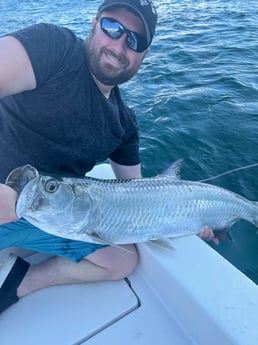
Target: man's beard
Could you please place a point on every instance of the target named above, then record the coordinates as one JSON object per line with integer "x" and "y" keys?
{"x": 103, "y": 71}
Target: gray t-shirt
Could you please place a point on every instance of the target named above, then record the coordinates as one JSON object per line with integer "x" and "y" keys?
{"x": 65, "y": 125}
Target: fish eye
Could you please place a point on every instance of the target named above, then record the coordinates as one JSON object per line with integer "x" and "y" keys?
{"x": 51, "y": 185}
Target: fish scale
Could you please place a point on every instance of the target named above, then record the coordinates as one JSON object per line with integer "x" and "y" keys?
{"x": 130, "y": 211}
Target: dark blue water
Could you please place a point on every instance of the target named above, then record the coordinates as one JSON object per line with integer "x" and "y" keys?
{"x": 196, "y": 96}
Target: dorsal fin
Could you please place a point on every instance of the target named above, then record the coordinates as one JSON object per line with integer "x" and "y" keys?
{"x": 174, "y": 170}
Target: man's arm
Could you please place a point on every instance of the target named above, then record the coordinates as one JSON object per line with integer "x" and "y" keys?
{"x": 124, "y": 171}
{"x": 16, "y": 72}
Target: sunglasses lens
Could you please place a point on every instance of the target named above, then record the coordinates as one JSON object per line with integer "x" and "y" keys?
{"x": 136, "y": 42}
{"x": 115, "y": 30}
{"x": 131, "y": 41}
{"x": 112, "y": 28}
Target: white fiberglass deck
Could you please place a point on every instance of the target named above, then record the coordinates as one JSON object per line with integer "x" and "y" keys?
{"x": 190, "y": 295}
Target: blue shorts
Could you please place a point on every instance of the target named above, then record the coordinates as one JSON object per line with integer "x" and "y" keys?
{"x": 25, "y": 235}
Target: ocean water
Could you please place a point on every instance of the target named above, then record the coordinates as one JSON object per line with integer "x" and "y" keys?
{"x": 196, "y": 95}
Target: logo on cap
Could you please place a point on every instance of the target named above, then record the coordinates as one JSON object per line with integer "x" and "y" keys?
{"x": 144, "y": 2}
{"x": 148, "y": 3}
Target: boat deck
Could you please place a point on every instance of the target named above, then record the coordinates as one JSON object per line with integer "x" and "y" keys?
{"x": 189, "y": 295}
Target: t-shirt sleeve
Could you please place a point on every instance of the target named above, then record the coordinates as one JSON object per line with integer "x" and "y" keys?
{"x": 50, "y": 49}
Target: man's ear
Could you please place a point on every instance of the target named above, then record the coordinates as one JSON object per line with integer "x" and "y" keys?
{"x": 145, "y": 53}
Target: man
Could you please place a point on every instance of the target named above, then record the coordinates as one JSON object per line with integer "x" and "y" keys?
{"x": 61, "y": 111}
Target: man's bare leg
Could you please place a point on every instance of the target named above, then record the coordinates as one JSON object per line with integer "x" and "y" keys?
{"x": 8, "y": 197}
{"x": 108, "y": 263}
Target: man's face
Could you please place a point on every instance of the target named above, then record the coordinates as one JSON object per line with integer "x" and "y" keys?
{"x": 110, "y": 60}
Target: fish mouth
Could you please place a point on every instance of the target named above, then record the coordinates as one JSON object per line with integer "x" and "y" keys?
{"x": 19, "y": 177}
{"x": 26, "y": 198}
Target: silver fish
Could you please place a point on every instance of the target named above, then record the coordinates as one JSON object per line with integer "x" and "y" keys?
{"x": 130, "y": 211}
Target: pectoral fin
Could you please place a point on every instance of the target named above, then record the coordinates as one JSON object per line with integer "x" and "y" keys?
{"x": 95, "y": 237}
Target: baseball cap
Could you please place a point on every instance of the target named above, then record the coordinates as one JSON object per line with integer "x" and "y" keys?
{"x": 143, "y": 8}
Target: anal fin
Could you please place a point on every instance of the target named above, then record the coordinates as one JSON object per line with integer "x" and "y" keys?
{"x": 162, "y": 244}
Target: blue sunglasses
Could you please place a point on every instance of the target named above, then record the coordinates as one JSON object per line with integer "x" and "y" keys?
{"x": 113, "y": 29}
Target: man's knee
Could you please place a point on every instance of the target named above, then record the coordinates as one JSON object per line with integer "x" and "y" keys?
{"x": 117, "y": 262}
{"x": 8, "y": 198}
{"x": 126, "y": 262}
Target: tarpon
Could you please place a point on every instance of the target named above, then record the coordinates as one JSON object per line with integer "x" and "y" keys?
{"x": 130, "y": 211}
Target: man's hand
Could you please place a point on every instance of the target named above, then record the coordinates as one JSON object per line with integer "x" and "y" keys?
{"x": 208, "y": 235}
